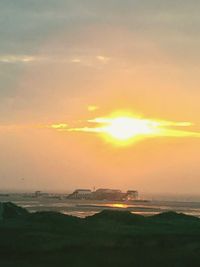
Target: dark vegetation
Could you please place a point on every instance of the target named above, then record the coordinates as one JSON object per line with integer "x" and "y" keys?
{"x": 110, "y": 238}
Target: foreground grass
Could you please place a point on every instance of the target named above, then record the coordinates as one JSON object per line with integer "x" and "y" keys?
{"x": 110, "y": 238}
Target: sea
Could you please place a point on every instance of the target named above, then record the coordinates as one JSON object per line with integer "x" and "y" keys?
{"x": 84, "y": 208}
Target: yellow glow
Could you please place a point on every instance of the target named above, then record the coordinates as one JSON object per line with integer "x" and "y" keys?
{"x": 122, "y": 128}
{"x": 59, "y": 126}
{"x": 125, "y": 128}
{"x": 92, "y": 108}
{"x": 118, "y": 205}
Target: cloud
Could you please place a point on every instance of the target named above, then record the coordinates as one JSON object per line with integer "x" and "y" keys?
{"x": 92, "y": 108}
{"x": 76, "y": 60}
{"x": 103, "y": 59}
{"x": 17, "y": 59}
{"x": 59, "y": 126}
{"x": 90, "y": 60}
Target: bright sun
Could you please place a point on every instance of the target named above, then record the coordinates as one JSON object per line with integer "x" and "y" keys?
{"x": 125, "y": 128}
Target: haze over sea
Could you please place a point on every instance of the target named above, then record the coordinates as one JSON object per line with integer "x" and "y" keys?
{"x": 81, "y": 208}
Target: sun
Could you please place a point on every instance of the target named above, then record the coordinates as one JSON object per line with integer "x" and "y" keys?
{"x": 126, "y": 128}
{"x": 122, "y": 129}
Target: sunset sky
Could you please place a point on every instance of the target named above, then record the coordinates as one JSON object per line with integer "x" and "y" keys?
{"x": 69, "y": 66}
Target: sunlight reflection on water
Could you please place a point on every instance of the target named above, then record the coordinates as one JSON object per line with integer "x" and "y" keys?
{"x": 84, "y": 208}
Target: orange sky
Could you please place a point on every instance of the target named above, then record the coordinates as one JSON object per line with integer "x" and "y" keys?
{"x": 141, "y": 57}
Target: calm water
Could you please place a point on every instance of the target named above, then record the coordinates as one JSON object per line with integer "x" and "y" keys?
{"x": 83, "y": 208}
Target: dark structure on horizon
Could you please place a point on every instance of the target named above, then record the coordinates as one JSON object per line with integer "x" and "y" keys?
{"x": 81, "y": 194}
{"x": 104, "y": 194}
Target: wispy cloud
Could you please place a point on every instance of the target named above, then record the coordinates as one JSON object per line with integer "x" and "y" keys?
{"x": 59, "y": 126}
{"x": 17, "y": 58}
{"x": 76, "y": 60}
{"x": 92, "y": 108}
{"x": 103, "y": 59}
{"x": 90, "y": 60}
{"x": 86, "y": 60}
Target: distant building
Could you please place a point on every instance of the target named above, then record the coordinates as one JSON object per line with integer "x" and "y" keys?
{"x": 108, "y": 194}
{"x": 104, "y": 194}
{"x": 81, "y": 194}
{"x": 131, "y": 195}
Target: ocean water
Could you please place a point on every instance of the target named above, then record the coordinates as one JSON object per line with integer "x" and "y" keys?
{"x": 83, "y": 208}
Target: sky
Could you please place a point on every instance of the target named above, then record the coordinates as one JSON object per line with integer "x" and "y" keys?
{"x": 67, "y": 62}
